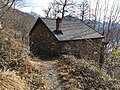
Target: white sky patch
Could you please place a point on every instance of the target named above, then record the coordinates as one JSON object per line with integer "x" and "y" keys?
{"x": 40, "y": 3}
{"x": 36, "y": 6}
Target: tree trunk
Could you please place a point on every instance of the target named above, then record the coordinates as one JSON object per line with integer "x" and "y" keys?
{"x": 101, "y": 59}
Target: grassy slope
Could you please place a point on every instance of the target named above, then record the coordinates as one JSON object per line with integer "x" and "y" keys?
{"x": 14, "y": 56}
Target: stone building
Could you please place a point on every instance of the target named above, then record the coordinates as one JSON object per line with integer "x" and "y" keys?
{"x": 51, "y": 37}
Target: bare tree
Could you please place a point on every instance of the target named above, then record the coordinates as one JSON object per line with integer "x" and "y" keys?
{"x": 110, "y": 28}
{"x": 5, "y": 5}
{"x": 60, "y": 6}
{"x": 106, "y": 20}
{"x": 49, "y": 9}
{"x": 84, "y": 9}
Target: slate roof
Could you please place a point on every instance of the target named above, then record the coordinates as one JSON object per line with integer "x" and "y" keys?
{"x": 72, "y": 30}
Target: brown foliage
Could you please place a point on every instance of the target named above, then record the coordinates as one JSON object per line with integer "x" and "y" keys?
{"x": 10, "y": 81}
{"x": 15, "y": 56}
{"x": 80, "y": 74}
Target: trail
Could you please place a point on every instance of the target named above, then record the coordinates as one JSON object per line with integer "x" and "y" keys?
{"x": 50, "y": 75}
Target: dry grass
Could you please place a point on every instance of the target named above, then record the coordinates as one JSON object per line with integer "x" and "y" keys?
{"x": 10, "y": 81}
{"x": 85, "y": 75}
{"x": 15, "y": 56}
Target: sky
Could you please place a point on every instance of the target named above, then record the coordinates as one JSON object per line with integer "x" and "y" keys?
{"x": 37, "y": 6}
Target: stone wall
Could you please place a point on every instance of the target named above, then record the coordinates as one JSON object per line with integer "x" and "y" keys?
{"x": 87, "y": 49}
{"x": 42, "y": 41}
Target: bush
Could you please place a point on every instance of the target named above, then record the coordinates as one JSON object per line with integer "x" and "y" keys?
{"x": 112, "y": 64}
{"x": 81, "y": 74}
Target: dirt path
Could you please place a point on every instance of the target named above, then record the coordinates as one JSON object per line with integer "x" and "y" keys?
{"x": 51, "y": 75}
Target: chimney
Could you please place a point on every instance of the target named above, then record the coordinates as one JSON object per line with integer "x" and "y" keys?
{"x": 58, "y": 26}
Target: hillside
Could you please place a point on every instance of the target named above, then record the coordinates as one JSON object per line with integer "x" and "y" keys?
{"x": 19, "y": 21}
{"x": 20, "y": 70}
